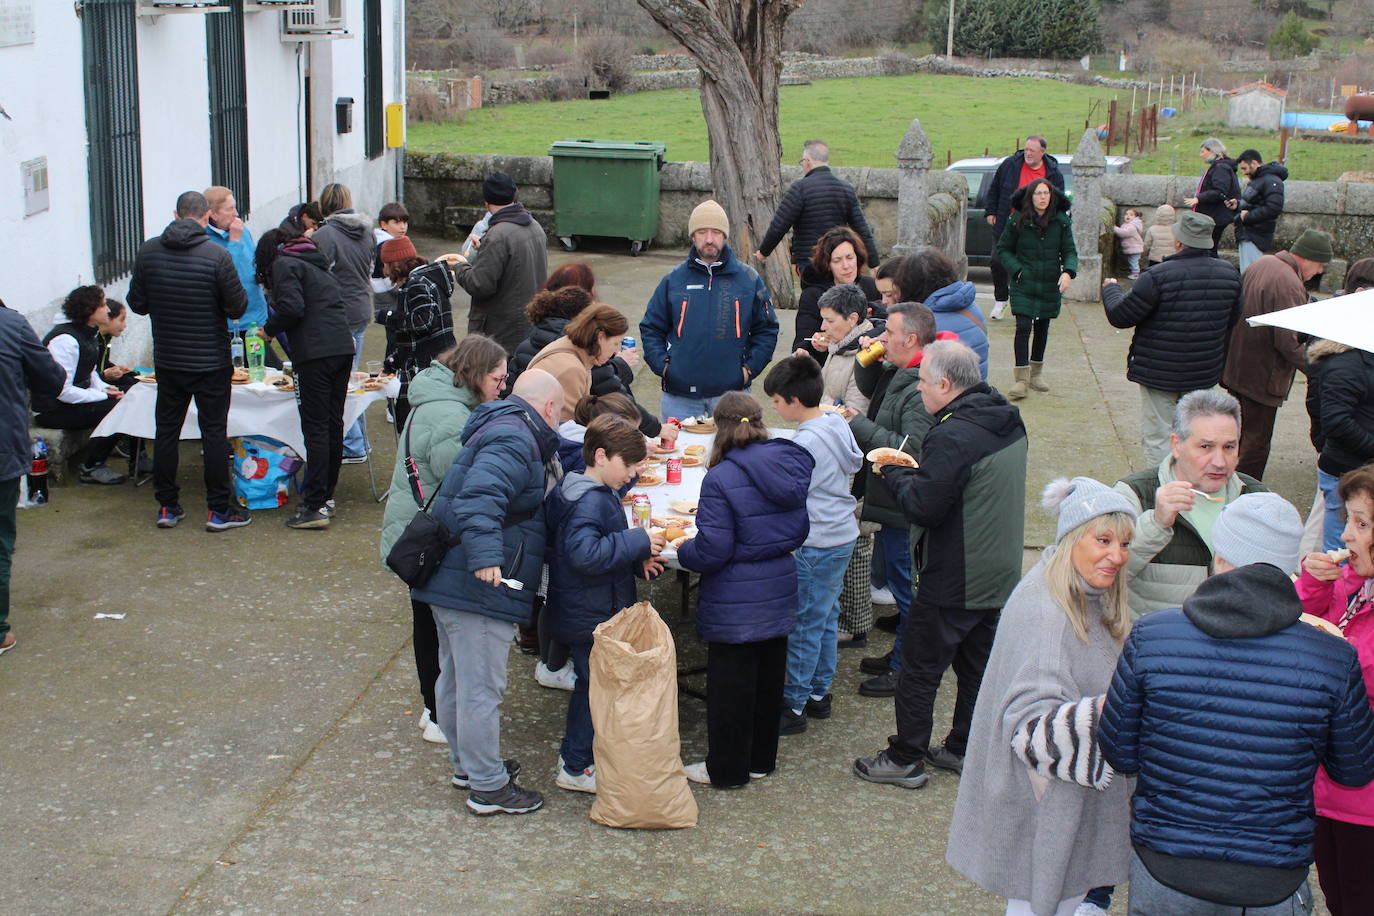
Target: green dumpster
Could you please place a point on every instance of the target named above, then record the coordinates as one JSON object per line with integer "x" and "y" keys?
{"x": 606, "y": 187}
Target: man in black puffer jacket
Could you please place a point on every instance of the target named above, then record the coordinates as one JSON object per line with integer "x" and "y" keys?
{"x": 189, "y": 288}
{"x": 1182, "y": 310}
{"x": 1259, "y": 206}
{"x": 817, "y": 201}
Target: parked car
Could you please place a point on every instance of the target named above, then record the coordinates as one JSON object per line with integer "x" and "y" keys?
{"x": 978, "y": 173}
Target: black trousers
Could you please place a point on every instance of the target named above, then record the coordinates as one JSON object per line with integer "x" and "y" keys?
{"x": 175, "y": 389}
{"x": 936, "y": 637}
{"x": 86, "y": 415}
{"x": 321, "y": 389}
{"x": 1343, "y": 852}
{"x": 552, "y": 653}
{"x": 1025, "y": 348}
{"x": 743, "y": 698}
{"x": 1001, "y": 281}
{"x": 426, "y": 638}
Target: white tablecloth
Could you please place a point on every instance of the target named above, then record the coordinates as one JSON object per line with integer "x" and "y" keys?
{"x": 255, "y": 409}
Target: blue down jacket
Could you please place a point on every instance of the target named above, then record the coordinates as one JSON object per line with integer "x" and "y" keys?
{"x": 594, "y": 556}
{"x": 1225, "y": 708}
{"x": 750, "y": 517}
{"x": 956, "y": 311}
{"x": 498, "y": 477}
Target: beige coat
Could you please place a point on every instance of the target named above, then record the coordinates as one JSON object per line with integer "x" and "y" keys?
{"x": 838, "y": 372}
{"x": 572, "y": 366}
{"x": 1159, "y": 238}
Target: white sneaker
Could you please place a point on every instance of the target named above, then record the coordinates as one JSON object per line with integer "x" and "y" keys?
{"x": 582, "y": 782}
{"x": 1089, "y": 909}
{"x": 696, "y": 772}
{"x": 882, "y": 596}
{"x": 432, "y": 732}
{"x": 997, "y": 309}
{"x": 562, "y": 679}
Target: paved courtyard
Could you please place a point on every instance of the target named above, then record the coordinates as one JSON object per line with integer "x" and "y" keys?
{"x": 244, "y": 741}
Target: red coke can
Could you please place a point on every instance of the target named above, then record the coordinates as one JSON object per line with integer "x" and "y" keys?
{"x": 674, "y": 470}
{"x": 666, "y": 443}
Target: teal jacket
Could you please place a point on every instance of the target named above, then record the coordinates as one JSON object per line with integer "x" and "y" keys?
{"x": 438, "y": 413}
{"x": 242, "y": 253}
{"x": 1034, "y": 256}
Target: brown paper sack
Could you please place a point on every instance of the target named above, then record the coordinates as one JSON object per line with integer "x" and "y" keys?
{"x": 633, "y": 698}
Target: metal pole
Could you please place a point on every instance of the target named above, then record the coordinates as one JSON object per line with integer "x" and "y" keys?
{"x": 949, "y": 36}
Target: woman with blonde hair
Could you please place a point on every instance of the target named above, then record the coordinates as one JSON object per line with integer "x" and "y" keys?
{"x": 1039, "y": 819}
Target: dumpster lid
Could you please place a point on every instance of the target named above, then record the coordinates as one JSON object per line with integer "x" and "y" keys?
{"x": 609, "y": 149}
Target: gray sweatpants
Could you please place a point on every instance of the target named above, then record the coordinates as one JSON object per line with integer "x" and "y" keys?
{"x": 1156, "y": 422}
{"x": 473, "y": 650}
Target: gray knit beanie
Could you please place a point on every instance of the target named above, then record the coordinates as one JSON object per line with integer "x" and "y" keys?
{"x": 1075, "y": 501}
{"x": 1259, "y": 528}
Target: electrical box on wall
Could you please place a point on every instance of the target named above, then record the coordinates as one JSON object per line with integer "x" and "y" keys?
{"x": 343, "y": 114}
{"x": 395, "y": 125}
{"x": 35, "y": 178}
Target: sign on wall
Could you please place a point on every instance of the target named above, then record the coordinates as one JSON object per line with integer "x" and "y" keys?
{"x": 16, "y": 22}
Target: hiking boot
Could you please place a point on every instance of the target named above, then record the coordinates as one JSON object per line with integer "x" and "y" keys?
{"x": 884, "y": 685}
{"x": 884, "y": 769}
{"x": 577, "y": 782}
{"x": 791, "y": 723}
{"x": 876, "y": 664}
{"x": 308, "y": 519}
{"x": 102, "y": 474}
{"x": 888, "y": 623}
{"x": 1034, "y": 380}
{"x": 509, "y": 799}
{"x": 168, "y": 516}
{"x": 945, "y": 759}
{"x": 818, "y": 709}
{"x": 223, "y": 521}
{"x": 460, "y": 780}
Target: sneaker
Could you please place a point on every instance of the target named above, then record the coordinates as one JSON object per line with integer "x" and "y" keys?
{"x": 791, "y": 723}
{"x": 362, "y": 459}
{"x": 102, "y": 474}
{"x": 882, "y": 596}
{"x": 168, "y": 516}
{"x": 8, "y": 643}
{"x": 884, "y": 770}
{"x": 1089, "y": 909}
{"x": 889, "y": 623}
{"x": 876, "y": 664}
{"x": 431, "y": 730}
{"x": 577, "y": 782}
{"x": 509, "y": 799}
{"x": 1128, "y": 277}
{"x": 818, "y": 709}
{"x": 562, "y": 679}
{"x": 308, "y": 519}
{"x": 460, "y": 780}
{"x": 945, "y": 760}
{"x": 853, "y": 640}
{"x": 997, "y": 309}
{"x": 327, "y": 510}
{"x": 696, "y": 772}
{"x": 884, "y": 685}
{"x": 223, "y": 521}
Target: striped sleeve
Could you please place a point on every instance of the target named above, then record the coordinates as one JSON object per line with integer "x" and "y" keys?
{"x": 1061, "y": 745}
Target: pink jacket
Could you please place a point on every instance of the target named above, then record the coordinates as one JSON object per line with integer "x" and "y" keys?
{"x": 1132, "y": 235}
{"x": 1328, "y": 600}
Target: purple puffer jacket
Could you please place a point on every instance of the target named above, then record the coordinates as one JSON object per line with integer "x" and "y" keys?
{"x": 750, "y": 517}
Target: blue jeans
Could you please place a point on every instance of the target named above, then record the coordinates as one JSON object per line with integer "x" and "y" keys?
{"x": 577, "y": 729}
{"x": 895, "y": 544}
{"x": 675, "y": 405}
{"x": 1132, "y": 262}
{"x": 811, "y": 646}
{"x": 1249, "y": 254}
{"x": 1332, "y": 524}
{"x": 355, "y": 439}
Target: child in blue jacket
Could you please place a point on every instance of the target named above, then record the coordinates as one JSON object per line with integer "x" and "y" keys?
{"x": 751, "y": 515}
{"x": 594, "y": 558}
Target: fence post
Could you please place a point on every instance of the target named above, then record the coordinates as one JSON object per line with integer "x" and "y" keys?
{"x": 1089, "y": 165}
{"x": 913, "y": 191}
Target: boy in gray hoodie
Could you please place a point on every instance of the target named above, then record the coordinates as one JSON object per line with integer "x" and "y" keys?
{"x": 795, "y": 385}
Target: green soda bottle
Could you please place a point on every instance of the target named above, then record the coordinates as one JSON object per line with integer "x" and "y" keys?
{"x": 257, "y": 354}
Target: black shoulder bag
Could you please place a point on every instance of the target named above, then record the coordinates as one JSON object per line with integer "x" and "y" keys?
{"x": 421, "y": 547}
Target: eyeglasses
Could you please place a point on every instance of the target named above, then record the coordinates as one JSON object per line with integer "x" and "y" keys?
{"x": 498, "y": 378}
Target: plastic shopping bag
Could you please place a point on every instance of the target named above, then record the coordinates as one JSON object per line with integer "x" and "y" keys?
{"x": 633, "y": 698}
{"x": 263, "y": 471}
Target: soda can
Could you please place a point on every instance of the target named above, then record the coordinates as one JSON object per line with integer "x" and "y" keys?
{"x": 674, "y": 470}
{"x": 664, "y": 442}
{"x": 627, "y": 343}
{"x": 641, "y": 510}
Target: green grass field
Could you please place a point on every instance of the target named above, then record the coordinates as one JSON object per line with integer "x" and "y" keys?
{"x": 864, "y": 119}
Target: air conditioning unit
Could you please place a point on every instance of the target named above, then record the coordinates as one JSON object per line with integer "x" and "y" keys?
{"x": 250, "y": 6}
{"x": 314, "y": 20}
{"x": 159, "y": 7}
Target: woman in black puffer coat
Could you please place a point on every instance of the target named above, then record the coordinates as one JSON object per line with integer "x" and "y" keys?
{"x": 1217, "y": 185}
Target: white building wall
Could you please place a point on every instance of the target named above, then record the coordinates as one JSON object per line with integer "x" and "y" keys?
{"x": 55, "y": 246}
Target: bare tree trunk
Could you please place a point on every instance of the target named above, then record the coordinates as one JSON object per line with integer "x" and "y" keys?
{"x": 738, "y": 47}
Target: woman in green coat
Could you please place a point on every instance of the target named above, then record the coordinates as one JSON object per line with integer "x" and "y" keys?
{"x": 1037, "y": 250}
{"x": 441, "y": 399}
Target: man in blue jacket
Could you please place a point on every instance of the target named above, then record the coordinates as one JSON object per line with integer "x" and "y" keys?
{"x": 492, "y": 499}
{"x": 1224, "y": 708}
{"x": 710, "y": 326}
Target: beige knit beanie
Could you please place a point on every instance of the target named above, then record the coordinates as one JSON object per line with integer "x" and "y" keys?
{"x": 708, "y": 215}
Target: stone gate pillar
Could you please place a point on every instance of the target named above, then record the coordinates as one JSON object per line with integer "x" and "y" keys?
{"x": 913, "y": 191}
{"x": 1088, "y": 167}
